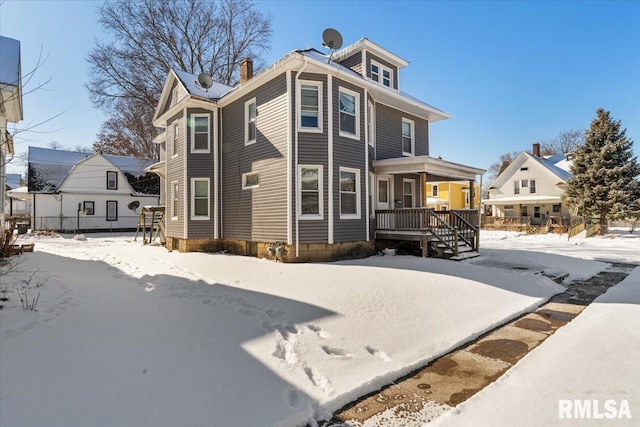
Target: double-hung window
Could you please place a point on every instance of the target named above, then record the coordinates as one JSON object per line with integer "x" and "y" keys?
{"x": 532, "y": 186}
{"x": 310, "y": 110}
{"x": 200, "y": 138}
{"x": 310, "y": 192}
{"x": 349, "y": 193}
{"x": 88, "y": 208}
{"x": 408, "y": 191}
{"x": 175, "y": 201}
{"x": 250, "y": 117}
{"x": 200, "y": 198}
{"x": 434, "y": 190}
{"x": 349, "y": 113}
{"x": 174, "y": 139}
{"x": 516, "y": 187}
{"x": 371, "y": 131}
{"x": 112, "y": 180}
{"x": 408, "y": 137}
{"x": 112, "y": 210}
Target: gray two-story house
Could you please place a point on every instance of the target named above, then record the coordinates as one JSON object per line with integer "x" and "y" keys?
{"x": 321, "y": 157}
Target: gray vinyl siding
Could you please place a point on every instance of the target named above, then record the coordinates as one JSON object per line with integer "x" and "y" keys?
{"x": 369, "y": 56}
{"x": 398, "y": 193}
{"x": 312, "y": 150}
{"x": 170, "y": 101}
{"x": 175, "y": 172}
{"x": 258, "y": 214}
{"x": 199, "y": 165}
{"x": 389, "y": 133}
{"x": 349, "y": 153}
{"x": 353, "y": 62}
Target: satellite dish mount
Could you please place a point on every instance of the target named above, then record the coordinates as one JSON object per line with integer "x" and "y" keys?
{"x": 332, "y": 39}
{"x": 205, "y": 81}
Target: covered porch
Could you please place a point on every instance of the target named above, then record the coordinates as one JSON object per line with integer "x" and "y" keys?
{"x": 407, "y": 218}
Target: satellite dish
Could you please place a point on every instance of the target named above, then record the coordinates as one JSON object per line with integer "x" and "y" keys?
{"x": 331, "y": 39}
{"x": 134, "y": 205}
{"x": 205, "y": 80}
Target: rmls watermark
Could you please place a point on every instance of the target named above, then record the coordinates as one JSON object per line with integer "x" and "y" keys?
{"x": 593, "y": 409}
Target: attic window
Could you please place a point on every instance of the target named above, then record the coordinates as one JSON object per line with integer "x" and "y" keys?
{"x": 112, "y": 180}
{"x": 524, "y": 169}
{"x": 381, "y": 74}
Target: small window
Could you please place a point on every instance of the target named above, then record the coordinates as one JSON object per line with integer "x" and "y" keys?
{"x": 524, "y": 169}
{"x": 371, "y": 131}
{"x": 112, "y": 210}
{"x": 200, "y": 133}
{"x": 536, "y": 212}
{"x": 386, "y": 78}
{"x": 250, "y": 180}
{"x": 407, "y": 137}
{"x": 175, "y": 201}
{"x": 174, "y": 141}
{"x": 434, "y": 190}
{"x": 349, "y": 112}
{"x": 532, "y": 186}
{"x": 349, "y": 193}
{"x": 516, "y": 187}
{"x": 375, "y": 72}
{"x": 310, "y": 111}
{"x": 310, "y": 192}
{"x": 88, "y": 208}
{"x": 200, "y": 198}
{"x": 556, "y": 208}
{"x": 250, "y": 115}
{"x": 112, "y": 180}
{"x": 381, "y": 74}
{"x": 524, "y": 183}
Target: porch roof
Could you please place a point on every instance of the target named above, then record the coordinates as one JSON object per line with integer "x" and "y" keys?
{"x": 440, "y": 169}
{"x": 522, "y": 200}
{"x": 158, "y": 168}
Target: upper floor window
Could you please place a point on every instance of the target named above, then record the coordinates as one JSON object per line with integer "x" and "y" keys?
{"x": 250, "y": 116}
{"x": 349, "y": 193}
{"x": 408, "y": 144}
{"x": 310, "y": 110}
{"x": 349, "y": 113}
{"x": 200, "y": 133}
{"x": 199, "y": 198}
{"x": 250, "y": 180}
{"x": 381, "y": 74}
{"x": 310, "y": 192}
{"x": 174, "y": 139}
{"x": 532, "y": 186}
{"x": 516, "y": 187}
{"x": 524, "y": 183}
{"x": 434, "y": 190}
{"x": 112, "y": 180}
{"x": 371, "y": 124}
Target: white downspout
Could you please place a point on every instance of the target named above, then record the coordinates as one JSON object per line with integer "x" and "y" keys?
{"x": 297, "y": 213}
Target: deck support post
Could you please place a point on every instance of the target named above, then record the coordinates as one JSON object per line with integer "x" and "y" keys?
{"x": 423, "y": 190}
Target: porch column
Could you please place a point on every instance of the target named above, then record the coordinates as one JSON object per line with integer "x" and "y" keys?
{"x": 472, "y": 194}
{"x": 423, "y": 190}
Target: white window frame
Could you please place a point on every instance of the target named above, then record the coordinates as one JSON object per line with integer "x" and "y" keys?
{"x": 372, "y": 195}
{"x": 413, "y": 192}
{"x": 193, "y": 118}
{"x": 175, "y": 126}
{"x": 434, "y": 190}
{"x": 115, "y": 180}
{"x": 380, "y": 73}
{"x": 244, "y": 180}
{"x": 371, "y": 124}
{"x": 193, "y": 199}
{"x": 516, "y": 187}
{"x": 413, "y": 137}
{"x": 357, "y": 215}
{"x": 356, "y": 96}
{"x": 248, "y": 122}
{"x": 175, "y": 200}
{"x": 319, "y": 86}
{"x": 320, "y": 214}
{"x": 533, "y": 189}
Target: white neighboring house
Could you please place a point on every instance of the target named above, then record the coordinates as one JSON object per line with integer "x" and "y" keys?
{"x": 10, "y": 108}
{"x": 531, "y": 187}
{"x": 74, "y": 191}
{"x": 16, "y": 201}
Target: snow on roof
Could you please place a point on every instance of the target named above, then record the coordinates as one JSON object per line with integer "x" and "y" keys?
{"x": 190, "y": 82}
{"x": 550, "y": 163}
{"x": 9, "y": 61}
{"x": 48, "y": 168}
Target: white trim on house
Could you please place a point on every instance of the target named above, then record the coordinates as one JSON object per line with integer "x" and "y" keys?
{"x": 330, "y": 132}
{"x": 357, "y": 214}
{"x": 356, "y": 96}
{"x": 412, "y": 194}
{"x": 185, "y": 207}
{"x": 370, "y": 114}
{"x": 175, "y": 200}
{"x": 366, "y": 168}
{"x": 216, "y": 173}
{"x": 299, "y": 190}
{"x": 175, "y": 127}
{"x": 195, "y": 217}
{"x": 412, "y": 135}
{"x": 319, "y": 86}
{"x": 245, "y": 178}
{"x": 193, "y": 118}
{"x": 248, "y": 122}
{"x": 290, "y": 177}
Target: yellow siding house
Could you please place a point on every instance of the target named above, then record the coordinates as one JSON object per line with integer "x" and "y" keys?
{"x": 451, "y": 195}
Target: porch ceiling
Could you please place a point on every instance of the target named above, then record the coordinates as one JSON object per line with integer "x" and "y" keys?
{"x": 444, "y": 170}
{"x": 522, "y": 200}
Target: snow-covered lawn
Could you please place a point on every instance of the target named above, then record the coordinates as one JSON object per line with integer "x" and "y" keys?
{"x": 136, "y": 336}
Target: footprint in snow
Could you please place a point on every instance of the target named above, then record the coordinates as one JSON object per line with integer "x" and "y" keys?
{"x": 333, "y": 351}
{"x": 150, "y": 287}
{"x": 378, "y": 353}
{"x": 292, "y": 397}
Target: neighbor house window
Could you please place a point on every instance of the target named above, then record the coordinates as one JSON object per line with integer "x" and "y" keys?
{"x": 516, "y": 187}
{"x": 349, "y": 193}
{"x": 408, "y": 191}
{"x": 88, "y": 208}
{"x": 509, "y": 211}
{"x": 310, "y": 111}
{"x": 524, "y": 210}
{"x": 467, "y": 198}
{"x": 532, "y": 186}
{"x": 200, "y": 133}
{"x": 371, "y": 124}
{"x": 112, "y": 180}
{"x": 174, "y": 140}
{"x": 112, "y": 210}
{"x": 524, "y": 183}
{"x": 199, "y": 198}
{"x": 381, "y": 74}
{"x": 407, "y": 137}
{"x": 349, "y": 113}
{"x": 175, "y": 201}
{"x": 434, "y": 190}
{"x": 310, "y": 192}
{"x": 250, "y": 114}
{"x": 250, "y": 180}
{"x": 536, "y": 212}
{"x": 556, "y": 208}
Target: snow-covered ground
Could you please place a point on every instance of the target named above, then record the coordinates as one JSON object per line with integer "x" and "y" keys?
{"x": 134, "y": 336}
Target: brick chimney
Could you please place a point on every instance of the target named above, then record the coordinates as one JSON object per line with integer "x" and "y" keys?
{"x": 536, "y": 149}
{"x": 246, "y": 70}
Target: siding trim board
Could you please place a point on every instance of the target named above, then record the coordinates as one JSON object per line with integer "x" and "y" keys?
{"x": 330, "y": 132}
{"x": 289, "y": 165}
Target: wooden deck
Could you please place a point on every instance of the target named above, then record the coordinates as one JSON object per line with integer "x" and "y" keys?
{"x": 446, "y": 234}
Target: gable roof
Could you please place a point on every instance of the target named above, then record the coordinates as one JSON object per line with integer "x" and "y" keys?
{"x": 49, "y": 168}
{"x": 550, "y": 163}
{"x": 366, "y": 44}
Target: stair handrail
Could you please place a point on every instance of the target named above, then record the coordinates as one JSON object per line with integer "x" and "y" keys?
{"x": 469, "y": 227}
{"x": 444, "y": 225}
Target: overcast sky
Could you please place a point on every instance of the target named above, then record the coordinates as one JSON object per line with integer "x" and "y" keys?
{"x": 510, "y": 73}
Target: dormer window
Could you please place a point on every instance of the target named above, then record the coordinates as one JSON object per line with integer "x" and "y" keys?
{"x": 381, "y": 74}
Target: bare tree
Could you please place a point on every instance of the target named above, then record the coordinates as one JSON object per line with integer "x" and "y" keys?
{"x": 496, "y": 168}
{"x": 567, "y": 141}
{"x": 150, "y": 37}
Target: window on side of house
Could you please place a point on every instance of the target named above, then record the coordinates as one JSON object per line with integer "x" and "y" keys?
{"x": 250, "y": 118}
{"x": 375, "y": 72}
{"x": 556, "y": 208}
{"x": 371, "y": 120}
{"x": 200, "y": 136}
{"x": 349, "y": 113}
{"x": 434, "y": 190}
{"x": 408, "y": 191}
{"x": 310, "y": 192}
{"x": 112, "y": 210}
{"x": 112, "y": 180}
{"x": 524, "y": 183}
{"x": 381, "y": 74}
{"x": 516, "y": 187}
{"x": 88, "y": 208}
{"x": 175, "y": 201}
{"x": 310, "y": 102}
{"x": 200, "y": 198}
{"x": 408, "y": 137}
{"x": 174, "y": 139}
{"x": 532, "y": 186}
{"x": 250, "y": 180}
{"x": 349, "y": 193}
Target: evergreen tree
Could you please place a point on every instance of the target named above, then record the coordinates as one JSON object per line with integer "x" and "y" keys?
{"x": 605, "y": 173}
